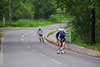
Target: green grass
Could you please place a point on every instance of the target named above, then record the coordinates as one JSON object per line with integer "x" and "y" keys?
{"x": 54, "y": 19}
{"x": 29, "y": 23}
{"x": 93, "y": 47}
{"x": 77, "y": 40}
{"x": 51, "y": 33}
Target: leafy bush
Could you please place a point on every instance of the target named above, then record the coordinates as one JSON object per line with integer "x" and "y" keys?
{"x": 28, "y": 23}
{"x": 57, "y": 18}
{"x": 76, "y": 39}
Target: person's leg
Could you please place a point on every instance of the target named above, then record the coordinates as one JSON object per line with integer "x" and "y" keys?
{"x": 42, "y": 38}
{"x": 57, "y": 42}
{"x": 63, "y": 46}
{"x": 59, "y": 45}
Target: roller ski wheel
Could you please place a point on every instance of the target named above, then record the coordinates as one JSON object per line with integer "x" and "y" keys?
{"x": 62, "y": 52}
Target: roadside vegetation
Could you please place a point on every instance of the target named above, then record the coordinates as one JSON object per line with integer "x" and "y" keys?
{"x": 29, "y": 23}
{"x": 30, "y": 13}
{"x": 54, "y": 19}
{"x": 76, "y": 39}
{"x": 85, "y": 21}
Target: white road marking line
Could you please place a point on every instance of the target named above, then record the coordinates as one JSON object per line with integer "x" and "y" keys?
{"x": 23, "y": 35}
{"x": 56, "y": 61}
{"x": 42, "y": 55}
{"x": 22, "y": 39}
{"x": 28, "y": 46}
{"x": 33, "y": 50}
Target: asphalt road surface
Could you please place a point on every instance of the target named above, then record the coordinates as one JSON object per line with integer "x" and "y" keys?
{"x": 22, "y": 48}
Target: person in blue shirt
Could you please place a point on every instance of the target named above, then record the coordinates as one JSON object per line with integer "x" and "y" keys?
{"x": 62, "y": 41}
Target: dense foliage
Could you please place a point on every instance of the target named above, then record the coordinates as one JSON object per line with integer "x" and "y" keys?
{"x": 28, "y": 9}
{"x": 80, "y": 10}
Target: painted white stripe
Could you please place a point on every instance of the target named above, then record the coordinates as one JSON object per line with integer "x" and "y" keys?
{"x": 33, "y": 50}
{"x": 28, "y": 46}
{"x": 56, "y": 61}
{"x": 22, "y": 35}
{"x": 42, "y": 55}
{"x": 22, "y": 39}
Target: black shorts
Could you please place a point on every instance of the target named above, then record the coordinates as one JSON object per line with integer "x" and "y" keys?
{"x": 40, "y": 34}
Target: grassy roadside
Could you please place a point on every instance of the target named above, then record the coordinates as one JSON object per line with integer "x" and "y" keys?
{"x": 29, "y": 23}
{"x": 77, "y": 41}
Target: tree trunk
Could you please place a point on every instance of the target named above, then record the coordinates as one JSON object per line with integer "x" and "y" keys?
{"x": 93, "y": 27}
{"x": 9, "y": 12}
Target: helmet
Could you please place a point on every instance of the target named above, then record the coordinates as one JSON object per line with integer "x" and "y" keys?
{"x": 62, "y": 29}
{"x": 39, "y": 28}
{"x": 59, "y": 29}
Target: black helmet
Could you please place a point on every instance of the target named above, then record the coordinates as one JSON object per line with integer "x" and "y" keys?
{"x": 39, "y": 28}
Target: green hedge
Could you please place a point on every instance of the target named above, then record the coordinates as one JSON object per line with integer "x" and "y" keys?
{"x": 76, "y": 39}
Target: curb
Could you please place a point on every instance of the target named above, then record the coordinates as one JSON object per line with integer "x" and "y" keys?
{"x": 69, "y": 48}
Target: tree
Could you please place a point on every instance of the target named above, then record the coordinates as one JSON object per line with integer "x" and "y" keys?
{"x": 80, "y": 10}
{"x": 81, "y": 13}
{"x": 44, "y": 8}
{"x": 22, "y": 9}
{"x": 93, "y": 24}
{"x": 4, "y": 8}
{"x": 10, "y": 19}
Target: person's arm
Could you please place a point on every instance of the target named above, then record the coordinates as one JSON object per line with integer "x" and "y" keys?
{"x": 59, "y": 36}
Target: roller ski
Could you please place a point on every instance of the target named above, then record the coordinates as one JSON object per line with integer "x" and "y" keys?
{"x": 61, "y": 51}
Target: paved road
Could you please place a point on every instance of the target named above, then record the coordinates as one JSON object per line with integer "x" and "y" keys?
{"x": 21, "y": 48}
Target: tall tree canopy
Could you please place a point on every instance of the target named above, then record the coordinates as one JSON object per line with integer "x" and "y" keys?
{"x": 80, "y": 10}
{"x": 44, "y": 8}
{"x": 24, "y": 9}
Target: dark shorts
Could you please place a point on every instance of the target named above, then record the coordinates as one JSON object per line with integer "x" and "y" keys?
{"x": 40, "y": 34}
{"x": 62, "y": 40}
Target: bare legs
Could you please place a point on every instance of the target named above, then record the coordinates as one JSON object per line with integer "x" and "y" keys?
{"x": 59, "y": 47}
{"x": 41, "y": 38}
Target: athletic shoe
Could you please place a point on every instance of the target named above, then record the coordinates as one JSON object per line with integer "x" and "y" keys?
{"x": 58, "y": 52}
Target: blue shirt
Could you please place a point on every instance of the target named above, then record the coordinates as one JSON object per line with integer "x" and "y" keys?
{"x": 62, "y": 35}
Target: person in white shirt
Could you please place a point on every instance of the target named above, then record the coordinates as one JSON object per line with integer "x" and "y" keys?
{"x": 39, "y": 32}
